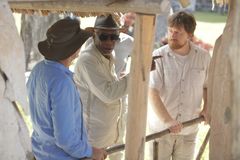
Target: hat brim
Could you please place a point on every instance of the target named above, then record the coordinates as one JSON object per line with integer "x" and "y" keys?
{"x": 64, "y": 50}
{"x": 91, "y": 29}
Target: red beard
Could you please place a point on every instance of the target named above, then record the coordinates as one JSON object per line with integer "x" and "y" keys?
{"x": 173, "y": 44}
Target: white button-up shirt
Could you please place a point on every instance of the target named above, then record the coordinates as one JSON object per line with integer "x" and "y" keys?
{"x": 101, "y": 94}
{"x": 180, "y": 81}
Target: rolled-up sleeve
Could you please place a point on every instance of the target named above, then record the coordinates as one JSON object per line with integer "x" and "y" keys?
{"x": 157, "y": 76}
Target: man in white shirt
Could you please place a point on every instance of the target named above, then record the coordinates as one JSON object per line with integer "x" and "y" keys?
{"x": 101, "y": 89}
{"x": 177, "y": 88}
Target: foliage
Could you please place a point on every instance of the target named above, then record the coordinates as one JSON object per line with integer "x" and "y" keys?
{"x": 210, "y": 17}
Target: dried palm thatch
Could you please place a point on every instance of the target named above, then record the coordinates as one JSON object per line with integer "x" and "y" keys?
{"x": 116, "y": 15}
{"x": 46, "y": 12}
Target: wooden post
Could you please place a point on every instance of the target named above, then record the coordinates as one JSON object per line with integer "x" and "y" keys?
{"x": 234, "y": 52}
{"x": 138, "y": 87}
{"x": 203, "y": 146}
{"x": 15, "y": 141}
{"x": 155, "y": 150}
{"x": 224, "y": 90}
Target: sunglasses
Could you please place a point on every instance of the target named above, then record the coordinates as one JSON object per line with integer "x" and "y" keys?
{"x": 105, "y": 37}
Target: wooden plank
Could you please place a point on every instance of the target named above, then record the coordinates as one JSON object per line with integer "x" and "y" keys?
{"x": 234, "y": 52}
{"x": 221, "y": 99}
{"x": 141, "y": 6}
{"x": 224, "y": 87}
{"x": 15, "y": 142}
{"x": 138, "y": 87}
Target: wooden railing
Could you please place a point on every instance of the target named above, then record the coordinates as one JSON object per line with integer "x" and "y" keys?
{"x": 153, "y": 136}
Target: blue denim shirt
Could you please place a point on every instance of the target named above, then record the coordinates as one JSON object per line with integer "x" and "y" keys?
{"x": 56, "y": 113}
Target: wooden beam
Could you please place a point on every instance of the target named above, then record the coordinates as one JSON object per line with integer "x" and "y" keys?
{"x": 141, "y": 6}
{"x": 140, "y": 67}
{"x": 224, "y": 90}
{"x": 234, "y": 53}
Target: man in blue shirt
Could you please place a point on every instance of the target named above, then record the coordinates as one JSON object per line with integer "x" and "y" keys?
{"x": 55, "y": 105}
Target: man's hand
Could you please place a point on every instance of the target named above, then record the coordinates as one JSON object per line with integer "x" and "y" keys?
{"x": 122, "y": 74}
{"x": 206, "y": 116}
{"x": 99, "y": 154}
{"x": 153, "y": 66}
{"x": 175, "y": 126}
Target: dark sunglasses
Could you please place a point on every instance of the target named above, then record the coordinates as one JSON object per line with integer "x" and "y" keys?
{"x": 105, "y": 37}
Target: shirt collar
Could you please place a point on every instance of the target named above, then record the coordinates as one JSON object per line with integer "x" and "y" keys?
{"x": 58, "y": 66}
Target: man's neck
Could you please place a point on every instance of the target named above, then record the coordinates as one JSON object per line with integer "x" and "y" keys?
{"x": 65, "y": 63}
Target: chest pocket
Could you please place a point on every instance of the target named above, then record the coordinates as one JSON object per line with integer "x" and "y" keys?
{"x": 197, "y": 76}
{"x": 170, "y": 77}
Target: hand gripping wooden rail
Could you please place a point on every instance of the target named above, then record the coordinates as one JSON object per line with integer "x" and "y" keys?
{"x": 153, "y": 136}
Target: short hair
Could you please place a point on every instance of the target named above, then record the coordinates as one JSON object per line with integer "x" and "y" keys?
{"x": 184, "y": 19}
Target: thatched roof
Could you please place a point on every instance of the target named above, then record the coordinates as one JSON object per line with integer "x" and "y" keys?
{"x": 116, "y": 15}
{"x": 87, "y": 8}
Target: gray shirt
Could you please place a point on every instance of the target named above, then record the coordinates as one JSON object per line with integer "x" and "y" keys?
{"x": 180, "y": 81}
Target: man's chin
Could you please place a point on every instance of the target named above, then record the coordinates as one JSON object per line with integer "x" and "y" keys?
{"x": 175, "y": 46}
{"x": 107, "y": 53}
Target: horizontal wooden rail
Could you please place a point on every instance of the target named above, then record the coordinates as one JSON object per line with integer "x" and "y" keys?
{"x": 153, "y": 136}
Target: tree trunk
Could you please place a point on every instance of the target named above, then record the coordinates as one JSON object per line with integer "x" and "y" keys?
{"x": 14, "y": 136}
{"x": 33, "y": 30}
{"x": 224, "y": 90}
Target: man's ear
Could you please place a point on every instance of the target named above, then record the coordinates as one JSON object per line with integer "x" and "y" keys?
{"x": 94, "y": 37}
{"x": 190, "y": 35}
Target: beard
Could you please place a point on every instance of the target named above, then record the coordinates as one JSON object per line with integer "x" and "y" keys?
{"x": 173, "y": 44}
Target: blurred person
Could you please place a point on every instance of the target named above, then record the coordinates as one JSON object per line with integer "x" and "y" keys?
{"x": 127, "y": 21}
{"x": 177, "y": 88}
{"x": 55, "y": 105}
{"x": 176, "y": 6}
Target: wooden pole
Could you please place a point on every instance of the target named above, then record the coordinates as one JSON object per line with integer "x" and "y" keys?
{"x": 224, "y": 90}
{"x": 138, "y": 86}
{"x": 155, "y": 150}
{"x": 234, "y": 52}
{"x": 203, "y": 146}
{"x": 153, "y": 136}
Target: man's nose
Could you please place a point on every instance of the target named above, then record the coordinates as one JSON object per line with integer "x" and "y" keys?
{"x": 109, "y": 41}
{"x": 174, "y": 35}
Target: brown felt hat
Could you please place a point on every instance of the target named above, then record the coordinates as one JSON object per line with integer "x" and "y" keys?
{"x": 105, "y": 22}
{"x": 64, "y": 38}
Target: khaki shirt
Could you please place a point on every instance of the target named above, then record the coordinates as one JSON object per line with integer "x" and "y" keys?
{"x": 180, "y": 81}
{"x": 101, "y": 94}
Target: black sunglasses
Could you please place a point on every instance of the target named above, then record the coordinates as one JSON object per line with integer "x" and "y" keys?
{"x": 105, "y": 37}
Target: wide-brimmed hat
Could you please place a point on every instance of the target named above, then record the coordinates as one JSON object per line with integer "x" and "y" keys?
{"x": 64, "y": 38}
{"x": 105, "y": 22}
